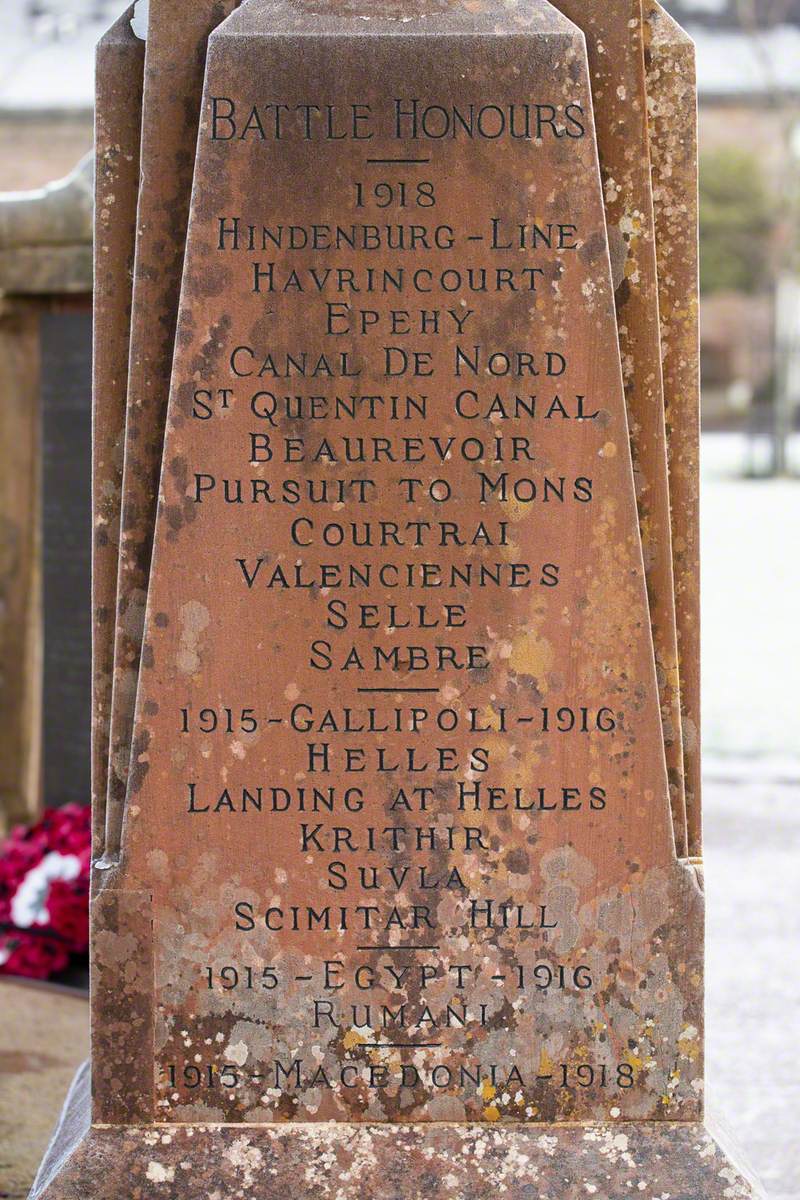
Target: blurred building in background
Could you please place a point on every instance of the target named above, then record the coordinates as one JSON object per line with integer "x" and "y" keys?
{"x": 47, "y": 86}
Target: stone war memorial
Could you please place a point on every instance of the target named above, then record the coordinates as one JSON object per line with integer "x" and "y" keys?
{"x": 398, "y": 887}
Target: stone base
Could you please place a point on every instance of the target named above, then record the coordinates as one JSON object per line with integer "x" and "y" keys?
{"x": 383, "y": 1162}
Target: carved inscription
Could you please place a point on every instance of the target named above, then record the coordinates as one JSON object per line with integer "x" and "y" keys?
{"x": 397, "y": 784}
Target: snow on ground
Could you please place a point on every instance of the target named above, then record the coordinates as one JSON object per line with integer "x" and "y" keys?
{"x": 751, "y": 613}
{"x": 751, "y": 713}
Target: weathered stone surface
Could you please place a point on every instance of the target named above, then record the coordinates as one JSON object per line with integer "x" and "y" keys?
{"x": 379, "y": 1162}
{"x": 605, "y": 872}
{"x": 46, "y": 236}
{"x": 123, "y": 1015}
{"x": 614, "y": 41}
{"x": 176, "y": 38}
{"x": 46, "y": 270}
{"x": 56, "y": 215}
{"x": 672, "y": 101}
{"x": 118, "y": 114}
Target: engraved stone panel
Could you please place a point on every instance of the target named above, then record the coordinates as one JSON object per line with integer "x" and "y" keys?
{"x": 407, "y": 728}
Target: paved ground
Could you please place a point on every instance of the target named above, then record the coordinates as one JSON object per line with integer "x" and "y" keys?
{"x": 753, "y": 964}
{"x": 44, "y": 1037}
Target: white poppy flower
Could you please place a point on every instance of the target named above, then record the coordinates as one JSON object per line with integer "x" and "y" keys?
{"x": 29, "y": 903}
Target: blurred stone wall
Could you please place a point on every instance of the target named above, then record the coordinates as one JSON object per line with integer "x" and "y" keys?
{"x": 36, "y": 148}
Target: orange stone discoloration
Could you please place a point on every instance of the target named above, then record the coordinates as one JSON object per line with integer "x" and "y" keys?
{"x": 380, "y": 1162}
{"x": 672, "y": 102}
{"x": 606, "y": 875}
{"x": 176, "y": 39}
{"x": 118, "y": 110}
{"x": 614, "y": 40}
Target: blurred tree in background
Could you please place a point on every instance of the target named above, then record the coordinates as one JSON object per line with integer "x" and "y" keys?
{"x": 737, "y": 222}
